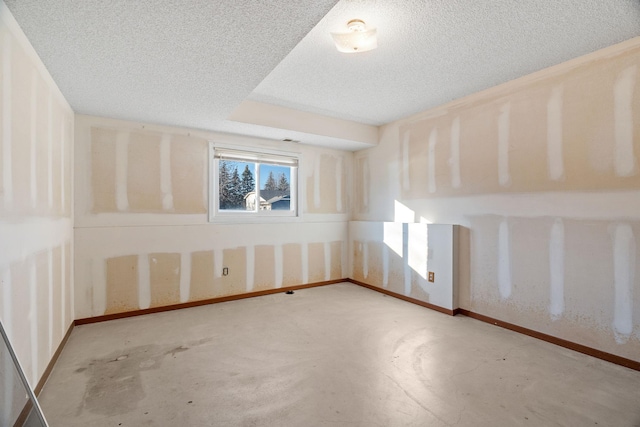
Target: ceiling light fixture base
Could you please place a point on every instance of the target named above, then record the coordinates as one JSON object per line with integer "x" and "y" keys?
{"x": 357, "y": 39}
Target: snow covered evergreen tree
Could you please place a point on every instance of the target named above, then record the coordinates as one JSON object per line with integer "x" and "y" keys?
{"x": 248, "y": 183}
{"x": 271, "y": 183}
{"x": 234, "y": 190}
{"x": 283, "y": 184}
{"x": 223, "y": 185}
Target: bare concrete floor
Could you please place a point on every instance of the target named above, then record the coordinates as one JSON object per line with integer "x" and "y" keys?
{"x": 338, "y": 355}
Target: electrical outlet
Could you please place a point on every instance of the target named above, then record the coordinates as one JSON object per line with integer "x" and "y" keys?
{"x": 432, "y": 276}
{"x": 225, "y": 271}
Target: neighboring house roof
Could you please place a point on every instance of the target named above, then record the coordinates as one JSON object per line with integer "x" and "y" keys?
{"x": 251, "y": 194}
{"x": 271, "y": 196}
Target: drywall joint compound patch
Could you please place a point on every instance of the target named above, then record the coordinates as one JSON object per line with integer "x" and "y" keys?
{"x": 165, "y": 172}
{"x": 556, "y": 270}
{"x": 504, "y": 177}
{"x": 624, "y": 255}
{"x": 34, "y": 138}
{"x": 625, "y": 161}
{"x": 454, "y": 160}
{"x": 122, "y": 160}
{"x": 555, "y": 159}
{"x": 433, "y": 140}
{"x": 7, "y": 174}
{"x": 504, "y": 260}
{"x": 339, "y": 172}
{"x": 406, "y": 182}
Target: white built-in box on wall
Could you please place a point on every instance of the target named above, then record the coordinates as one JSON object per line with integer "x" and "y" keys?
{"x": 398, "y": 258}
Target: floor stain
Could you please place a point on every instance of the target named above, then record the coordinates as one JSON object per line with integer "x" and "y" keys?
{"x": 115, "y": 383}
{"x": 180, "y": 349}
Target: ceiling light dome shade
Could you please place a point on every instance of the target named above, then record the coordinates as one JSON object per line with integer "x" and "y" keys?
{"x": 358, "y": 39}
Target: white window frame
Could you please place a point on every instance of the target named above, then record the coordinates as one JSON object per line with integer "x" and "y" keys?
{"x": 251, "y": 154}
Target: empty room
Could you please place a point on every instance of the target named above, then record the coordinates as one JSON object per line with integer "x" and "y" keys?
{"x": 319, "y": 213}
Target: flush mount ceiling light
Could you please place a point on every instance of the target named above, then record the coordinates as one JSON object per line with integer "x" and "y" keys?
{"x": 357, "y": 39}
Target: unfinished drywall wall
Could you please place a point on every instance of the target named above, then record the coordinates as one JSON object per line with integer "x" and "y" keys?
{"x": 542, "y": 173}
{"x": 326, "y": 184}
{"x": 143, "y": 237}
{"x": 145, "y": 171}
{"x": 36, "y": 145}
{"x": 398, "y": 257}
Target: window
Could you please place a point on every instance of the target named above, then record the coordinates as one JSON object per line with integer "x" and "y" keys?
{"x": 252, "y": 183}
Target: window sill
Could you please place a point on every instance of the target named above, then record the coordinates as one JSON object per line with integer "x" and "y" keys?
{"x": 252, "y": 219}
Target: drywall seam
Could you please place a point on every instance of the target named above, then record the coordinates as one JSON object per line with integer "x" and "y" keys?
{"x": 346, "y": 257}
{"x": 405, "y": 259}
{"x": 277, "y": 259}
{"x": 624, "y": 253}
{"x": 70, "y": 313}
{"x": 316, "y": 183}
{"x": 63, "y": 288}
{"x": 122, "y": 158}
{"x": 32, "y": 235}
{"x": 165, "y": 172}
{"x": 454, "y": 160}
{"x": 7, "y": 301}
{"x": 81, "y": 173}
{"x": 99, "y": 286}
{"x": 339, "y": 168}
{"x": 50, "y": 299}
{"x": 555, "y": 160}
{"x": 327, "y": 260}
{"x": 574, "y": 205}
{"x": 433, "y": 140}
{"x": 406, "y": 182}
{"x": 34, "y": 139}
{"x": 144, "y": 281}
{"x": 185, "y": 276}
{"x": 305, "y": 262}
{"x": 385, "y": 266}
{"x": 218, "y": 262}
{"x": 50, "y": 150}
{"x": 206, "y": 184}
{"x": 504, "y": 177}
{"x": 504, "y": 260}
{"x": 365, "y": 183}
{"x": 63, "y": 195}
{"x": 33, "y": 317}
{"x": 365, "y": 259}
{"x": 7, "y": 184}
{"x": 250, "y": 264}
{"x": 556, "y": 270}
{"x": 625, "y": 161}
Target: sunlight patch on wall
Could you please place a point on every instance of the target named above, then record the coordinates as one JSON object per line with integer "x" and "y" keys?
{"x": 418, "y": 248}
{"x": 392, "y": 236}
{"x": 403, "y": 213}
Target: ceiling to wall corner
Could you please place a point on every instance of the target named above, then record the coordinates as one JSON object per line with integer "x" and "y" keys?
{"x": 200, "y": 64}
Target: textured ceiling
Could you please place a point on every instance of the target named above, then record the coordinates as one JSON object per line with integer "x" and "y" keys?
{"x": 431, "y": 52}
{"x": 191, "y": 63}
{"x": 187, "y": 63}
